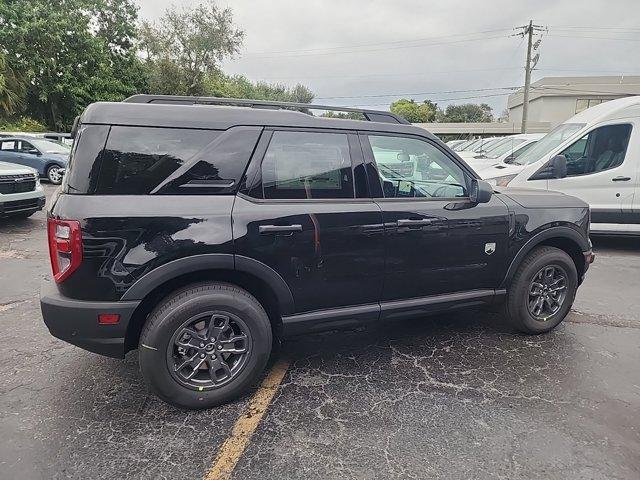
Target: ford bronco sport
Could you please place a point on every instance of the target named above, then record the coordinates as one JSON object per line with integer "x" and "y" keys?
{"x": 200, "y": 229}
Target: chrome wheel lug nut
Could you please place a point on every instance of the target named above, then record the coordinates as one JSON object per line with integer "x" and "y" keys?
{"x": 201, "y": 345}
{"x": 202, "y": 355}
{"x": 219, "y": 347}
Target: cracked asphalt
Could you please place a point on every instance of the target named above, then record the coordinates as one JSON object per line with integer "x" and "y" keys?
{"x": 455, "y": 396}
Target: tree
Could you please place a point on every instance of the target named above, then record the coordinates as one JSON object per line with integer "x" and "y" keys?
{"x": 186, "y": 46}
{"x": 11, "y": 89}
{"x": 468, "y": 112}
{"x": 415, "y": 112}
{"x": 70, "y": 53}
{"x": 238, "y": 86}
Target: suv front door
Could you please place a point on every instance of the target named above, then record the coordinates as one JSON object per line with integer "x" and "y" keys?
{"x": 306, "y": 214}
{"x": 437, "y": 241}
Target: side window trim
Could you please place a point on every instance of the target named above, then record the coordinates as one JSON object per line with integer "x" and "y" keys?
{"x": 370, "y": 160}
{"x": 253, "y": 187}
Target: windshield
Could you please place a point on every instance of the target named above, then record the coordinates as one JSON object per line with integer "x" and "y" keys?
{"x": 547, "y": 143}
{"x": 487, "y": 144}
{"x": 504, "y": 147}
{"x": 470, "y": 146}
{"x": 47, "y": 146}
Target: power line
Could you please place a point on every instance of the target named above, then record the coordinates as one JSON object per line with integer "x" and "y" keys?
{"x": 396, "y": 42}
{"x": 377, "y": 49}
{"x": 418, "y": 93}
{"x": 433, "y": 100}
{"x": 596, "y": 38}
{"x": 582, "y": 27}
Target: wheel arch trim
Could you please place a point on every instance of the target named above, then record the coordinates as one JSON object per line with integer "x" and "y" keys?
{"x": 212, "y": 261}
{"x": 563, "y": 232}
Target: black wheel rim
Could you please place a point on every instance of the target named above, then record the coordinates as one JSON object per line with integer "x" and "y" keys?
{"x": 208, "y": 350}
{"x": 547, "y": 292}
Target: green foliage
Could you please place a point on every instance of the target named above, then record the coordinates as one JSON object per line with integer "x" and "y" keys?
{"x": 70, "y": 53}
{"x": 415, "y": 112}
{"x": 58, "y": 56}
{"x": 186, "y": 46}
{"x": 238, "y": 86}
{"x": 468, "y": 112}
{"x": 11, "y": 89}
{"x": 22, "y": 124}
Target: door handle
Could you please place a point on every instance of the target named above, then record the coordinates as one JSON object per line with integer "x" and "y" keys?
{"x": 279, "y": 229}
{"x": 621, "y": 179}
{"x": 406, "y": 222}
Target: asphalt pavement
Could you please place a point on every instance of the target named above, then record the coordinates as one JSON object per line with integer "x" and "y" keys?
{"x": 456, "y": 396}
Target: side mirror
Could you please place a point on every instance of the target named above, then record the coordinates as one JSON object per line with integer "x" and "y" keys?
{"x": 509, "y": 160}
{"x": 559, "y": 166}
{"x": 481, "y": 191}
{"x": 33, "y": 151}
{"x": 554, "y": 168}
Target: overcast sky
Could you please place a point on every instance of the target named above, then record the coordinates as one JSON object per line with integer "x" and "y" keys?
{"x": 364, "y": 49}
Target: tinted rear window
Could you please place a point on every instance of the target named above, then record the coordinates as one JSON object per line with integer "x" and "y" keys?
{"x": 138, "y": 159}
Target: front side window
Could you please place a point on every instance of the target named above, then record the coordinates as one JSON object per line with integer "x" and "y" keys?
{"x": 601, "y": 149}
{"x": 409, "y": 167}
{"x": 25, "y": 146}
{"x": 306, "y": 165}
{"x": 549, "y": 142}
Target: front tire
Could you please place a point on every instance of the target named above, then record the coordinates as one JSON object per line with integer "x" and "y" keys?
{"x": 54, "y": 174}
{"x": 542, "y": 291}
{"x": 205, "y": 345}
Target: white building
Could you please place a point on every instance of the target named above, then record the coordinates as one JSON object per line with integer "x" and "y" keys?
{"x": 556, "y": 99}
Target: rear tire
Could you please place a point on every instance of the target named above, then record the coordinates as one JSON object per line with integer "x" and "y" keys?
{"x": 542, "y": 291}
{"x": 54, "y": 174}
{"x": 198, "y": 323}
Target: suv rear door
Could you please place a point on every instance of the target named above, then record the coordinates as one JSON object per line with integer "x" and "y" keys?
{"x": 305, "y": 212}
{"x": 437, "y": 241}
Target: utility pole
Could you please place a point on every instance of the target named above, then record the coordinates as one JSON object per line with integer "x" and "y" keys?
{"x": 529, "y": 31}
{"x": 527, "y": 79}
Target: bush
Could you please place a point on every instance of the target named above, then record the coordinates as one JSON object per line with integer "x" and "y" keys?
{"x": 22, "y": 124}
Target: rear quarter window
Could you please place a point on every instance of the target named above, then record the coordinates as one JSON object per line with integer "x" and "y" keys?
{"x": 136, "y": 160}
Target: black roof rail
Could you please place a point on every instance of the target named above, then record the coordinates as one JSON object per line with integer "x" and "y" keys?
{"x": 370, "y": 115}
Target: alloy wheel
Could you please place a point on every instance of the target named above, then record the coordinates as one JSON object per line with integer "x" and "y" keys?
{"x": 208, "y": 350}
{"x": 547, "y": 292}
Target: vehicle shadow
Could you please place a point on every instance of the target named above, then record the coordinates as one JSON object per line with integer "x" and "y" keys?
{"x": 616, "y": 243}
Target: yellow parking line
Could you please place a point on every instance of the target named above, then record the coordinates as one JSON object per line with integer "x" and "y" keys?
{"x": 235, "y": 445}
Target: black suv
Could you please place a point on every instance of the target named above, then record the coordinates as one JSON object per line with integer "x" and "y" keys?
{"x": 200, "y": 229}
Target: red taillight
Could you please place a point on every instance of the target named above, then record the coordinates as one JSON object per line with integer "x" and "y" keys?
{"x": 65, "y": 247}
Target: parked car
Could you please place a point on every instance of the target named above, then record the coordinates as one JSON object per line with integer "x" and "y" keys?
{"x": 21, "y": 194}
{"x": 480, "y": 146}
{"x": 595, "y": 156}
{"x": 452, "y": 143}
{"x": 198, "y": 233}
{"x": 47, "y": 157}
{"x": 504, "y": 152}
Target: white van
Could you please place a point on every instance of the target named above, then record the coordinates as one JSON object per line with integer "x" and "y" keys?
{"x": 595, "y": 156}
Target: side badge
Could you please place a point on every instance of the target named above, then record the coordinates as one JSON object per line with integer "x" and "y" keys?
{"x": 489, "y": 248}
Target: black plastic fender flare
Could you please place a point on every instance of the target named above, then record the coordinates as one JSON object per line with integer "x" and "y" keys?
{"x": 537, "y": 239}
{"x": 212, "y": 261}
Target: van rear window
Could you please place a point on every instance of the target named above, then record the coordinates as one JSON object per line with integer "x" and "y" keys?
{"x": 136, "y": 160}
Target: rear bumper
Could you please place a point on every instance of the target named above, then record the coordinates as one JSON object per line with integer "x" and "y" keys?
{"x": 76, "y": 321}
